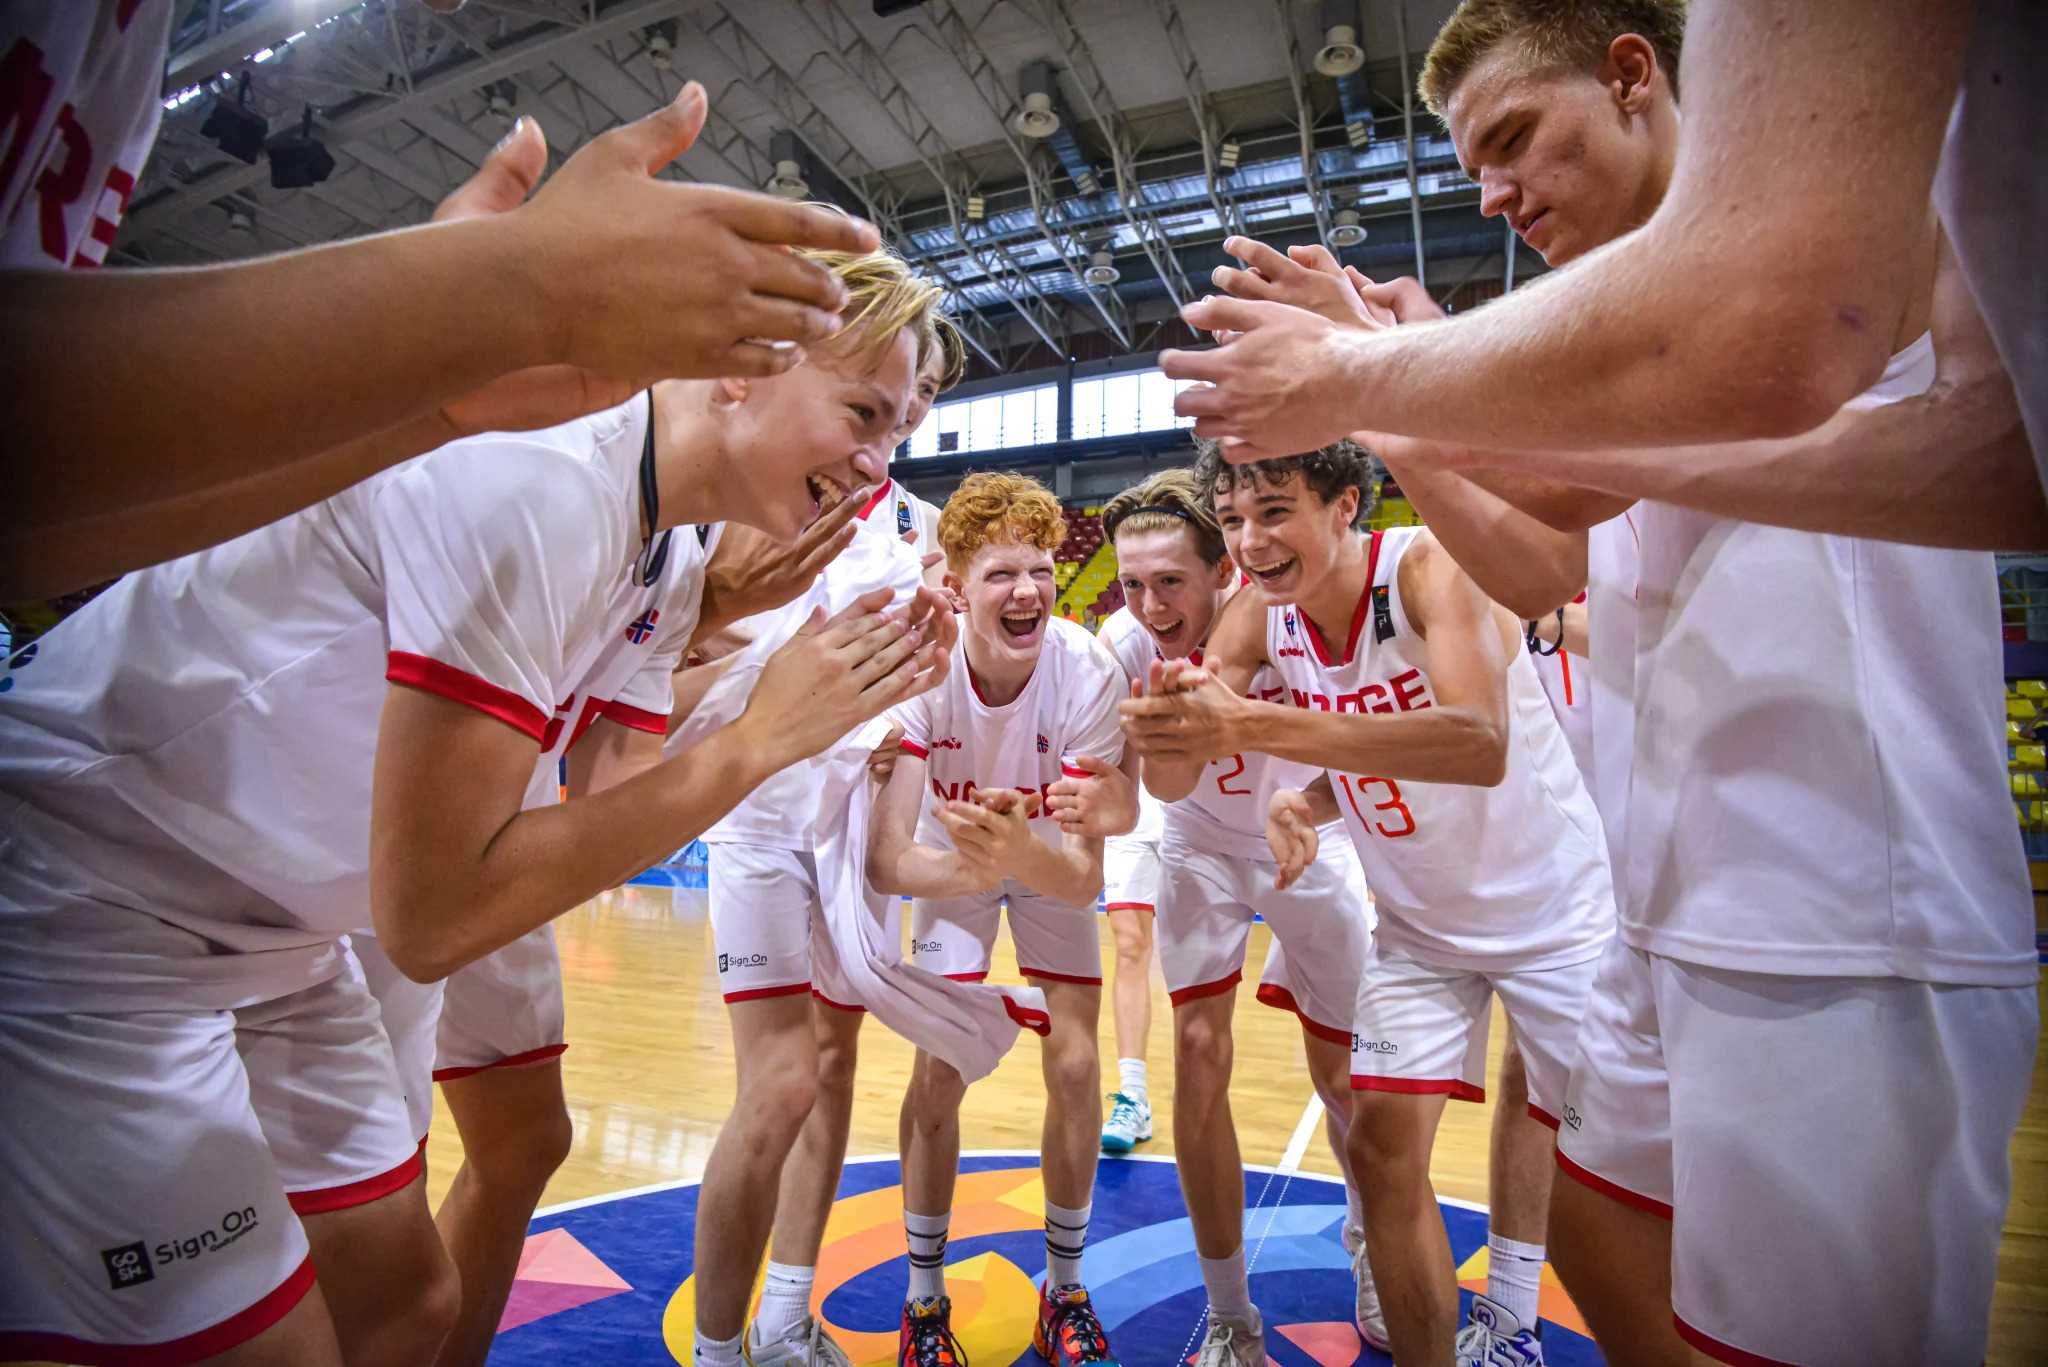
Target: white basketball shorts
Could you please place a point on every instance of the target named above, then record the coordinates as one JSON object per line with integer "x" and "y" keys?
{"x": 1320, "y": 931}
{"x": 1422, "y": 1027}
{"x": 769, "y": 926}
{"x": 1130, "y": 874}
{"x": 1839, "y": 1147}
{"x": 956, "y": 936}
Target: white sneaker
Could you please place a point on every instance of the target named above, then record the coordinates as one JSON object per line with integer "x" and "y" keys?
{"x": 1371, "y": 1320}
{"x": 1495, "y": 1338}
{"x": 1130, "y": 1123}
{"x": 808, "y": 1345}
{"x": 1233, "y": 1342}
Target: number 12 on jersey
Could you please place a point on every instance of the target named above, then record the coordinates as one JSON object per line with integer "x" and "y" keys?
{"x": 1354, "y": 789}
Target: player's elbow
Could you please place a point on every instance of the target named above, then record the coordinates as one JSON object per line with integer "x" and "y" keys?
{"x": 419, "y": 957}
{"x": 1486, "y": 752}
{"x": 1782, "y": 359}
{"x": 416, "y": 934}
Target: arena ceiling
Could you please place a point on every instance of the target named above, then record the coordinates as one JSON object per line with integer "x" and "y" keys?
{"x": 1179, "y": 122}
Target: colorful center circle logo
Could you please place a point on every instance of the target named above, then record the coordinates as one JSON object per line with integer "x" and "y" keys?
{"x": 610, "y": 1280}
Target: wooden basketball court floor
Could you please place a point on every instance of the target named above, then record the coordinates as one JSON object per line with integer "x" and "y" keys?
{"x": 649, "y": 1077}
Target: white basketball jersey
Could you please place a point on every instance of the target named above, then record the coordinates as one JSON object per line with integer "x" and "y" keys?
{"x": 1126, "y": 638}
{"x": 1227, "y": 810}
{"x": 195, "y": 746}
{"x": 783, "y": 812}
{"x": 1820, "y": 764}
{"x": 1563, "y": 676}
{"x": 80, "y": 83}
{"x": 1610, "y": 671}
{"x": 1068, "y": 709}
{"x": 895, "y": 509}
{"x": 1509, "y": 876}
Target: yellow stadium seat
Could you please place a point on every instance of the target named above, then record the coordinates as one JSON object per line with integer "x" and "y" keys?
{"x": 2013, "y": 734}
{"x": 2031, "y": 688}
{"x": 2020, "y": 709}
{"x": 2030, "y": 757}
{"x": 2028, "y": 785}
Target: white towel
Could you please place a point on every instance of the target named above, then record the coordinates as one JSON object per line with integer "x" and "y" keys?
{"x": 968, "y": 1025}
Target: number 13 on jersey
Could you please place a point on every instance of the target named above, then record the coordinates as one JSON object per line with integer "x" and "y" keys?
{"x": 1360, "y": 791}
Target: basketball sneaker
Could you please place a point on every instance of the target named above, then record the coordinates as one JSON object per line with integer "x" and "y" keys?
{"x": 808, "y": 1345}
{"x": 1068, "y": 1332}
{"x": 1233, "y": 1342}
{"x": 1371, "y": 1320}
{"x": 1493, "y": 1337}
{"x": 1130, "y": 1123}
{"x": 926, "y": 1339}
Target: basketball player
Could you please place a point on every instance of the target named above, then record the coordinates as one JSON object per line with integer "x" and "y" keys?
{"x": 196, "y": 743}
{"x": 1130, "y": 893}
{"x": 368, "y": 352}
{"x": 1678, "y": 357}
{"x": 796, "y": 1028}
{"x": 1217, "y": 874}
{"x": 1031, "y": 696}
{"x": 1468, "y": 817}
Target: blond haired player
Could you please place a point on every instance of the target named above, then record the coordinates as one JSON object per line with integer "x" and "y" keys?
{"x": 412, "y": 338}
{"x": 774, "y": 1170}
{"x": 195, "y": 820}
{"x": 1217, "y": 874}
{"x": 1031, "y": 695}
{"x": 1469, "y": 818}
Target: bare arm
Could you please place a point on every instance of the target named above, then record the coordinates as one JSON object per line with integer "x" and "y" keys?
{"x": 1522, "y": 563}
{"x": 1565, "y": 628}
{"x": 998, "y": 823}
{"x": 361, "y": 337}
{"x": 1756, "y": 300}
{"x": 897, "y": 864}
{"x": 609, "y": 754}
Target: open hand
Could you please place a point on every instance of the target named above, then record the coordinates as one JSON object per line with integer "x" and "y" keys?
{"x": 751, "y": 572}
{"x": 835, "y": 674}
{"x": 1291, "y": 835}
{"x": 1102, "y": 803}
{"x": 1283, "y": 385}
{"x": 1185, "y": 715}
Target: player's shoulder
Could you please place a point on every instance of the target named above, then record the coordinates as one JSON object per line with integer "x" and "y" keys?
{"x": 555, "y": 482}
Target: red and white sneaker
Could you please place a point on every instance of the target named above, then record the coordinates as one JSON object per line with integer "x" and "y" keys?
{"x": 1068, "y": 1333}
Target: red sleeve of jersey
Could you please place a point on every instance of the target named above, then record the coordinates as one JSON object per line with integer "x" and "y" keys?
{"x": 912, "y": 747}
{"x": 446, "y": 681}
{"x": 639, "y": 718}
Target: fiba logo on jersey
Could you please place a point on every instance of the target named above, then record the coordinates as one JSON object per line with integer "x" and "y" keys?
{"x": 902, "y": 516}
{"x": 1288, "y": 618}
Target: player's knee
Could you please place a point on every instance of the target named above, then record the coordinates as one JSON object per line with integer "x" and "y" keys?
{"x": 836, "y": 1060}
{"x": 782, "y": 1103}
{"x": 525, "y": 1155}
{"x": 1072, "y": 1067}
{"x": 411, "y": 1328}
{"x": 1382, "y": 1140}
{"x": 935, "y": 1092}
{"x": 1133, "y": 941}
{"x": 1202, "y": 1051}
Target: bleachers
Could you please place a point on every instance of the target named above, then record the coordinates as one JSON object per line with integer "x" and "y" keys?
{"x": 1084, "y": 539}
{"x": 2026, "y": 727}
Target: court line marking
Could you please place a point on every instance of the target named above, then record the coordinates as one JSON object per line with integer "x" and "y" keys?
{"x": 1304, "y": 1130}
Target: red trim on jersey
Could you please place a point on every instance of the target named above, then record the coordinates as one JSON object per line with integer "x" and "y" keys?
{"x": 1722, "y": 1352}
{"x": 837, "y": 1006}
{"x": 1128, "y": 906}
{"x": 1315, "y": 635}
{"x": 1613, "y": 1191}
{"x": 1564, "y": 663}
{"x": 446, "y": 681}
{"x": 232, "y": 1332}
{"x": 524, "y": 1059}
{"x": 979, "y": 975}
{"x": 635, "y": 718}
{"x": 912, "y": 747}
{"x": 757, "y": 993}
{"x": 349, "y": 1195}
{"x": 1074, "y": 771}
{"x": 1457, "y": 1087}
{"x": 1541, "y": 1116}
{"x": 1037, "y": 1022}
{"x": 875, "y": 500}
{"x": 1274, "y": 995}
{"x": 1053, "y": 977}
{"x": 1198, "y": 991}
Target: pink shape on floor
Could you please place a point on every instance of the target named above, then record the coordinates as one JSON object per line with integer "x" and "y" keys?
{"x": 556, "y": 1273}
{"x": 1332, "y": 1343}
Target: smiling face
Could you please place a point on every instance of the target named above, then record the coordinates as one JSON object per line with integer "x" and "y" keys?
{"x": 1281, "y": 533}
{"x": 931, "y": 378}
{"x": 1010, "y": 592}
{"x": 1571, "y": 159}
{"x": 799, "y": 442}
{"x": 1169, "y": 589}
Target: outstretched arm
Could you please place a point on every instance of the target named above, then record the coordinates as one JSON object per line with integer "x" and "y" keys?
{"x": 364, "y": 337}
{"x": 898, "y": 865}
{"x": 1755, "y": 301}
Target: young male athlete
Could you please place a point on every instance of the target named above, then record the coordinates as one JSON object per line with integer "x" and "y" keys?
{"x": 414, "y": 337}
{"x": 195, "y": 819}
{"x": 1216, "y": 875}
{"x": 1030, "y": 696}
{"x": 1469, "y": 818}
{"x": 1130, "y": 895}
{"x": 796, "y": 1027}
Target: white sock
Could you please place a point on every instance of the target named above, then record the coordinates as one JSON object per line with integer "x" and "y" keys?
{"x": 1514, "y": 1276}
{"x": 1230, "y": 1290}
{"x": 1354, "y": 1218}
{"x": 1066, "y": 1234}
{"x": 1130, "y": 1073}
{"x": 927, "y": 1236}
{"x": 785, "y": 1301}
{"x": 710, "y": 1352}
